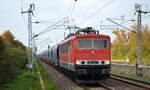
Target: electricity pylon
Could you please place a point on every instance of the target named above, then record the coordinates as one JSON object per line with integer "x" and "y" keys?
{"x": 139, "y": 12}
{"x": 30, "y": 13}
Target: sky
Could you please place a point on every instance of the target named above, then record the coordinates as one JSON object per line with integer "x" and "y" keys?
{"x": 82, "y": 13}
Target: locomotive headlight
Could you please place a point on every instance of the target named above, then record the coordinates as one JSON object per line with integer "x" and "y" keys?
{"x": 107, "y": 61}
{"x": 78, "y": 62}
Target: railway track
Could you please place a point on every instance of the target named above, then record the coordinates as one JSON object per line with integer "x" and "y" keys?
{"x": 67, "y": 83}
{"x": 98, "y": 86}
{"x": 106, "y": 86}
{"x": 61, "y": 81}
{"x": 138, "y": 83}
{"x": 70, "y": 83}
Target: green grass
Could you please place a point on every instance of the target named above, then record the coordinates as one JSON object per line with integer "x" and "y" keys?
{"x": 49, "y": 85}
{"x": 131, "y": 74}
{"x": 24, "y": 81}
{"x": 29, "y": 81}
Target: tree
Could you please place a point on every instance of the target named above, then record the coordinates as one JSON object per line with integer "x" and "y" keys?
{"x": 10, "y": 41}
{"x": 146, "y": 44}
{"x": 132, "y": 47}
{"x": 18, "y": 44}
{"x": 13, "y": 57}
{"x": 125, "y": 45}
{"x": 2, "y": 45}
{"x": 119, "y": 45}
{"x": 8, "y": 38}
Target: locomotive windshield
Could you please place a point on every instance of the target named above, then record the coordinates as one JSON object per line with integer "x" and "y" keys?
{"x": 92, "y": 44}
{"x": 84, "y": 43}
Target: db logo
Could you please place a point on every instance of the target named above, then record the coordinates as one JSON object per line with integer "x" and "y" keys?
{"x": 92, "y": 52}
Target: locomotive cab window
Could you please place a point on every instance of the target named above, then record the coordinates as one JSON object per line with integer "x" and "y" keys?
{"x": 92, "y": 44}
{"x": 100, "y": 44}
{"x": 64, "y": 48}
{"x": 84, "y": 43}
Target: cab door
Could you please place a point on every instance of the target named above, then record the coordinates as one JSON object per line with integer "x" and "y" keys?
{"x": 70, "y": 56}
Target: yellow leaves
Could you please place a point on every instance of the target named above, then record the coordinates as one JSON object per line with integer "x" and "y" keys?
{"x": 8, "y": 38}
{"x": 10, "y": 41}
{"x": 8, "y": 35}
{"x": 125, "y": 44}
{"x": 119, "y": 45}
{"x": 146, "y": 42}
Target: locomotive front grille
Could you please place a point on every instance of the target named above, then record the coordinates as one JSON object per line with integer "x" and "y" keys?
{"x": 92, "y": 62}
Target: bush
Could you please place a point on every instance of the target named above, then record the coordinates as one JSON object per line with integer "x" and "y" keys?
{"x": 13, "y": 57}
{"x": 12, "y": 61}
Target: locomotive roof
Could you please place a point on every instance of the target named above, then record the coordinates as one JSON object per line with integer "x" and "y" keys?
{"x": 86, "y": 35}
{"x": 89, "y": 31}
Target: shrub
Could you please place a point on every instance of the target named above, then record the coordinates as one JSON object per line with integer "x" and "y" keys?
{"x": 12, "y": 61}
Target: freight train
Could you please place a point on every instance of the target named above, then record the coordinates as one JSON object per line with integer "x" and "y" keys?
{"x": 86, "y": 54}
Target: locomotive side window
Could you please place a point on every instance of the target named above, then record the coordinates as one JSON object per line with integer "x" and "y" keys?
{"x": 99, "y": 44}
{"x": 84, "y": 43}
{"x": 71, "y": 43}
{"x": 64, "y": 48}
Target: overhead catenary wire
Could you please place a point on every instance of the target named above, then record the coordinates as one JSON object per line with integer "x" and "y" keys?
{"x": 70, "y": 18}
{"x": 51, "y": 29}
{"x": 48, "y": 21}
{"x": 70, "y": 13}
{"x": 95, "y": 26}
{"x": 43, "y": 41}
{"x": 87, "y": 10}
{"x": 101, "y": 21}
{"x": 51, "y": 20}
{"x": 122, "y": 19}
{"x": 69, "y": 7}
{"x": 21, "y": 5}
{"x": 54, "y": 26}
{"x": 50, "y": 26}
{"x": 121, "y": 25}
{"x": 93, "y": 14}
{"x": 73, "y": 8}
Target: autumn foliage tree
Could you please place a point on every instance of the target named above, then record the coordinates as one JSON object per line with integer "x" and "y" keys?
{"x": 124, "y": 45}
{"x": 10, "y": 41}
{"x": 13, "y": 57}
{"x": 8, "y": 38}
{"x": 2, "y": 45}
{"x": 146, "y": 45}
{"x": 120, "y": 45}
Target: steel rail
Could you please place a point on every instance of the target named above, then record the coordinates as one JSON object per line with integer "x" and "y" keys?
{"x": 107, "y": 87}
{"x": 132, "y": 81}
{"x": 58, "y": 70}
{"x": 127, "y": 65}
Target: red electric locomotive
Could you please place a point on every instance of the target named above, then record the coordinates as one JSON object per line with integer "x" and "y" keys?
{"x": 87, "y": 54}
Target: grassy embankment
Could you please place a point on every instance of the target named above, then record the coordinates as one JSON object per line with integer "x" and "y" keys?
{"x": 13, "y": 71}
{"x": 49, "y": 85}
{"x": 28, "y": 81}
{"x": 131, "y": 72}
